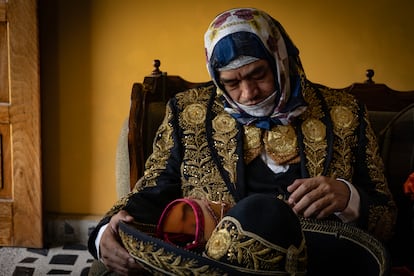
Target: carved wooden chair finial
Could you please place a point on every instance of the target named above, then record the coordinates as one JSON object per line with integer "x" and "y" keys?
{"x": 156, "y": 71}
{"x": 370, "y": 73}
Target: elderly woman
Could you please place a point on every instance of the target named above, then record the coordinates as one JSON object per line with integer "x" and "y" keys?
{"x": 260, "y": 128}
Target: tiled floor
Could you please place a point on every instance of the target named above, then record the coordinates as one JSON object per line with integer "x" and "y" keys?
{"x": 70, "y": 259}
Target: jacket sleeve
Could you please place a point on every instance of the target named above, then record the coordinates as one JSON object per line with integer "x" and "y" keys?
{"x": 377, "y": 209}
{"x": 160, "y": 183}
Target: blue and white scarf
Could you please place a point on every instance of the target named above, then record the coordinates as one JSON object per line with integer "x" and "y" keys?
{"x": 253, "y": 33}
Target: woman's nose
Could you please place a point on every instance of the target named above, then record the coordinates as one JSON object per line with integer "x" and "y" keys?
{"x": 248, "y": 91}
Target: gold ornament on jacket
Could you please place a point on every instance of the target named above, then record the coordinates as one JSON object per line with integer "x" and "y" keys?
{"x": 224, "y": 123}
{"x": 342, "y": 116}
{"x": 252, "y": 143}
{"x": 194, "y": 114}
{"x": 314, "y": 130}
{"x": 281, "y": 144}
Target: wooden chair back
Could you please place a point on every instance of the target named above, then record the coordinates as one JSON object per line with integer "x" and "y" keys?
{"x": 390, "y": 114}
{"x": 382, "y": 102}
{"x": 394, "y": 130}
{"x": 147, "y": 110}
{"x": 148, "y": 101}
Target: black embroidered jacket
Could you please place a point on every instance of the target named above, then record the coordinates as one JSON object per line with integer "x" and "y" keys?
{"x": 201, "y": 151}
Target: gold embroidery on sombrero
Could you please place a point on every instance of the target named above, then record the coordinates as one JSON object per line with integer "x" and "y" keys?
{"x": 230, "y": 244}
{"x": 162, "y": 259}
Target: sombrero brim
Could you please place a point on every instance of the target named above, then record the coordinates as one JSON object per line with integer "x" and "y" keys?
{"x": 336, "y": 248}
{"x": 162, "y": 258}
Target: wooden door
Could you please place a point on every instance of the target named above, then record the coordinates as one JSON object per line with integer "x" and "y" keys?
{"x": 20, "y": 171}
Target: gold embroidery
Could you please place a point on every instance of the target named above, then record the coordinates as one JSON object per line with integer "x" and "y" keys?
{"x": 231, "y": 244}
{"x": 342, "y": 117}
{"x": 375, "y": 162}
{"x": 281, "y": 144}
{"x": 314, "y": 109}
{"x": 163, "y": 143}
{"x": 314, "y": 133}
{"x": 224, "y": 123}
{"x": 314, "y": 130}
{"x": 381, "y": 219}
{"x": 252, "y": 143}
{"x": 154, "y": 256}
{"x": 344, "y": 114}
{"x": 219, "y": 243}
{"x": 200, "y": 176}
{"x": 345, "y": 120}
{"x": 226, "y": 144}
{"x": 194, "y": 114}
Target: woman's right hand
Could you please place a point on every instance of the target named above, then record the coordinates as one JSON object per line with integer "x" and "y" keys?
{"x": 114, "y": 256}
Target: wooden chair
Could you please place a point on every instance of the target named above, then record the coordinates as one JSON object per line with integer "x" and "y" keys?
{"x": 148, "y": 101}
{"x": 146, "y": 113}
{"x": 391, "y": 114}
{"x": 394, "y": 130}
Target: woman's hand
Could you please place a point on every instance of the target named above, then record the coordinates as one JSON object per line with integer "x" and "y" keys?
{"x": 318, "y": 196}
{"x": 114, "y": 256}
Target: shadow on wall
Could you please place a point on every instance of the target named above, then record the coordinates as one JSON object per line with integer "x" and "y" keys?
{"x": 66, "y": 104}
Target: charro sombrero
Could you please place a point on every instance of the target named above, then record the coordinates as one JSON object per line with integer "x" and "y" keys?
{"x": 336, "y": 248}
{"x": 258, "y": 236}
{"x": 261, "y": 236}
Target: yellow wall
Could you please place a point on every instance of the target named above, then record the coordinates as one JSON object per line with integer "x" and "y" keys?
{"x": 92, "y": 52}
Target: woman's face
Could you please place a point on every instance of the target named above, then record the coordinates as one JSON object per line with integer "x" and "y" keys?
{"x": 249, "y": 84}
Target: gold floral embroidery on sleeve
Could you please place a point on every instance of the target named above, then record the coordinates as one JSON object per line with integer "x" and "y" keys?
{"x": 381, "y": 219}
{"x": 163, "y": 143}
{"x": 374, "y": 161}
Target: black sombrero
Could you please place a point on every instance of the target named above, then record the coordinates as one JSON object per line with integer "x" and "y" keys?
{"x": 259, "y": 236}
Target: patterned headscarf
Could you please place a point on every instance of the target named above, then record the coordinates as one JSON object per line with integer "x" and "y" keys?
{"x": 248, "y": 32}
